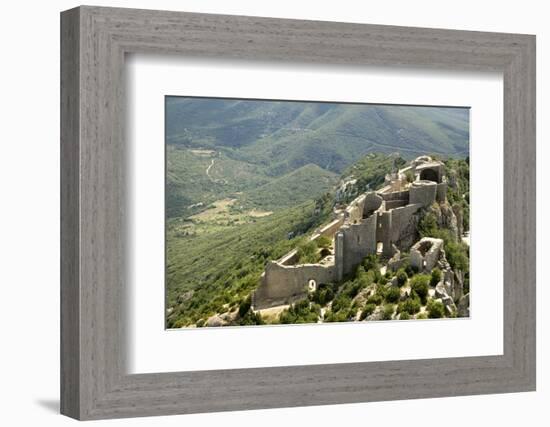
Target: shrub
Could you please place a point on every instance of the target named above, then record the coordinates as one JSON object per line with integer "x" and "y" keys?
{"x": 404, "y": 316}
{"x": 341, "y": 316}
{"x": 428, "y": 226}
{"x": 410, "y": 176}
{"x": 368, "y": 309}
{"x": 300, "y": 312}
{"x": 436, "y": 309}
{"x": 324, "y": 242}
{"x": 422, "y": 316}
{"x": 353, "y": 289}
{"x": 457, "y": 255}
{"x": 323, "y": 294}
{"x": 410, "y": 305}
{"x": 383, "y": 280}
{"x": 436, "y": 277}
{"x": 389, "y": 274}
{"x": 411, "y": 270}
{"x": 251, "y": 318}
{"x": 387, "y": 312}
{"x": 419, "y": 285}
{"x": 393, "y": 294}
{"x": 365, "y": 279}
{"x": 342, "y": 302}
{"x": 401, "y": 277}
{"x": 370, "y": 262}
{"x": 375, "y": 299}
{"x": 307, "y": 253}
{"x": 244, "y": 306}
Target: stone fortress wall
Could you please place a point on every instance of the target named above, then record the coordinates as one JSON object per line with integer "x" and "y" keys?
{"x": 382, "y": 222}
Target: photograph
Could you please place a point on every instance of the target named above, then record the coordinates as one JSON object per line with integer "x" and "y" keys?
{"x": 293, "y": 212}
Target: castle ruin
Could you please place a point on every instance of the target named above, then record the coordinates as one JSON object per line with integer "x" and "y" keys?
{"x": 382, "y": 222}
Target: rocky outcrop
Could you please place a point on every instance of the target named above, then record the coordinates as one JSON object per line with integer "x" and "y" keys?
{"x": 445, "y": 217}
{"x": 215, "y": 321}
{"x": 457, "y": 210}
{"x": 463, "y": 306}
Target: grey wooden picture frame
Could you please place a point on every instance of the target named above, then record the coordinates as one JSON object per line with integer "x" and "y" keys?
{"x": 94, "y": 381}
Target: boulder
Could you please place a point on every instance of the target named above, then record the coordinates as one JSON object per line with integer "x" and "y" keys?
{"x": 215, "y": 321}
{"x": 184, "y": 297}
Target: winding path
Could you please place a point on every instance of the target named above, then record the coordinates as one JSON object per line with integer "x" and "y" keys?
{"x": 208, "y": 170}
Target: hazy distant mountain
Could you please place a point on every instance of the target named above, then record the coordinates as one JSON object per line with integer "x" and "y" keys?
{"x": 282, "y": 136}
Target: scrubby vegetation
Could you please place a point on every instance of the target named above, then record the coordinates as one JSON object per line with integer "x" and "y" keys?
{"x": 214, "y": 273}
{"x": 370, "y": 172}
{"x": 456, "y": 251}
{"x": 302, "y": 311}
{"x": 419, "y": 285}
{"x": 307, "y": 253}
{"x": 436, "y": 309}
{"x": 402, "y": 277}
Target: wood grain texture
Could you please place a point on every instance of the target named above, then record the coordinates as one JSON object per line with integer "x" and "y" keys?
{"x": 94, "y": 382}
{"x": 70, "y": 297}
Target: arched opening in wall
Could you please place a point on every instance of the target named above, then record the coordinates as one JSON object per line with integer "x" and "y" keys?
{"x": 429, "y": 175}
{"x": 311, "y": 285}
{"x": 379, "y": 248}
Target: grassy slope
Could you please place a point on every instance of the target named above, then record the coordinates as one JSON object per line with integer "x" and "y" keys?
{"x": 291, "y": 189}
{"x": 188, "y": 183}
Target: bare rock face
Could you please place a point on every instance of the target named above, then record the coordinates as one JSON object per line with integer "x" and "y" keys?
{"x": 457, "y": 210}
{"x": 445, "y": 217}
{"x": 458, "y": 285}
{"x": 441, "y": 290}
{"x": 452, "y": 178}
{"x": 448, "y": 219}
{"x": 463, "y": 308}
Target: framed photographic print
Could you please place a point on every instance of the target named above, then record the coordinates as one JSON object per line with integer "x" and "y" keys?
{"x": 285, "y": 213}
